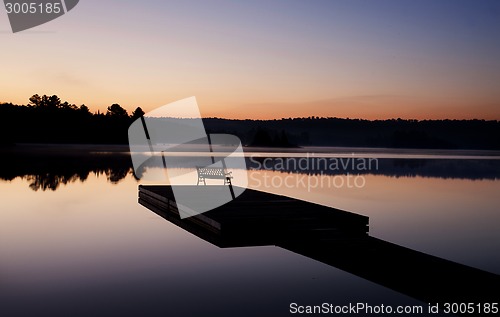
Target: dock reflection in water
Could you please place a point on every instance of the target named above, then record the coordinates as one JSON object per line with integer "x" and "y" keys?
{"x": 334, "y": 237}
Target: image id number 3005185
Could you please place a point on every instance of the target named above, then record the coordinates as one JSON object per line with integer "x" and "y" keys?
{"x": 33, "y": 8}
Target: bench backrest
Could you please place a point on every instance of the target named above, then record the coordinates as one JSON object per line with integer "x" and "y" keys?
{"x": 211, "y": 172}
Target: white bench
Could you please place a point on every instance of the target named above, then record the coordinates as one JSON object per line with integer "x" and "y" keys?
{"x": 213, "y": 173}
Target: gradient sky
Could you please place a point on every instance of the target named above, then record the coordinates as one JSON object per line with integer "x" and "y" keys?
{"x": 265, "y": 59}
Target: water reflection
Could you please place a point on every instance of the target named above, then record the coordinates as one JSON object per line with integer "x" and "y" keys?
{"x": 90, "y": 245}
{"x": 48, "y": 170}
{"x": 52, "y": 180}
{"x": 473, "y": 169}
{"x": 330, "y": 236}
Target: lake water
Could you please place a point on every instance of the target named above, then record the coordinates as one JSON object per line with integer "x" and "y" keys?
{"x": 75, "y": 242}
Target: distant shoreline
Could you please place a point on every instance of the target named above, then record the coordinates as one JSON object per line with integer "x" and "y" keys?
{"x": 49, "y": 120}
{"x": 117, "y": 149}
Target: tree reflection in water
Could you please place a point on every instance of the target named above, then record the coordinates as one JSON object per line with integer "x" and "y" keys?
{"x": 60, "y": 165}
{"x": 49, "y": 181}
{"x": 49, "y": 169}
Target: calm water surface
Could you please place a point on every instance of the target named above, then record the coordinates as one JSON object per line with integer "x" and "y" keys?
{"x": 87, "y": 248}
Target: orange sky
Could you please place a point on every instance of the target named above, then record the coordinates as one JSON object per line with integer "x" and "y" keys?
{"x": 265, "y": 59}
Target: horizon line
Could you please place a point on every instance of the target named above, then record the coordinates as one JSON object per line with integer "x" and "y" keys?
{"x": 316, "y": 117}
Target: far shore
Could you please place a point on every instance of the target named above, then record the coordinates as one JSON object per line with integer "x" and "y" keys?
{"x": 81, "y": 149}
{"x": 68, "y": 149}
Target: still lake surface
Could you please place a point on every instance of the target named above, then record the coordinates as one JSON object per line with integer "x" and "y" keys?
{"x": 75, "y": 242}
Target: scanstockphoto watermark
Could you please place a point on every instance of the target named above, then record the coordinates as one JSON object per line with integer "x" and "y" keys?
{"x": 24, "y": 15}
{"x": 310, "y": 172}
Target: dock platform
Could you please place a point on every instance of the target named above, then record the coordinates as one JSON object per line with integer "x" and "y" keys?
{"x": 256, "y": 216}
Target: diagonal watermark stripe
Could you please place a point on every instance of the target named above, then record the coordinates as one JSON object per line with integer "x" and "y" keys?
{"x": 206, "y": 180}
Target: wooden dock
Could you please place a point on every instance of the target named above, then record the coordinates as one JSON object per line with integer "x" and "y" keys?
{"x": 334, "y": 237}
{"x": 258, "y": 217}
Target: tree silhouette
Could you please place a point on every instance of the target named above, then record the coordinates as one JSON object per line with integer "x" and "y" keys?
{"x": 84, "y": 110}
{"x": 115, "y": 110}
{"x": 45, "y": 102}
{"x": 35, "y": 100}
{"x": 137, "y": 113}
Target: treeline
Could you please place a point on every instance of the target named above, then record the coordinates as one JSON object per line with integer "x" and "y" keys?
{"x": 393, "y": 133}
{"x": 46, "y": 119}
